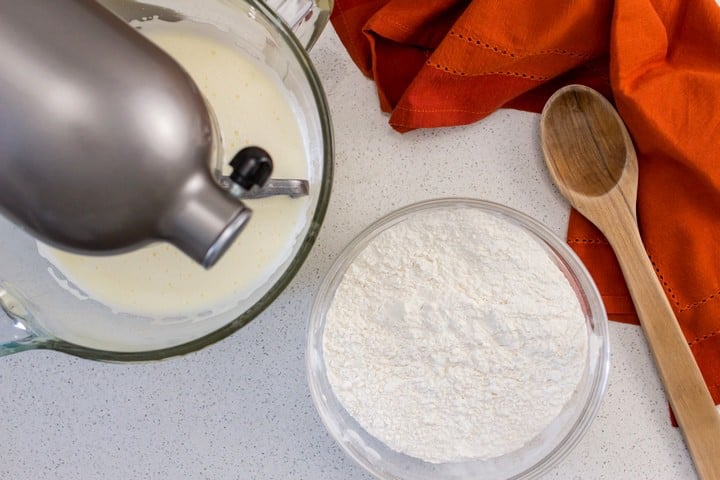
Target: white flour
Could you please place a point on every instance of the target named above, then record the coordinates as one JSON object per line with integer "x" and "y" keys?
{"x": 453, "y": 336}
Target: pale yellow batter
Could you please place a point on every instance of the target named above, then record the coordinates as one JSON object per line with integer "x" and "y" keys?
{"x": 159, "y": 281}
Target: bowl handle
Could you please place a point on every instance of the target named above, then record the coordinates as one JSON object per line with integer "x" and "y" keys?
{"x": 306, "y": 18}
{"x": 18, "y": 331}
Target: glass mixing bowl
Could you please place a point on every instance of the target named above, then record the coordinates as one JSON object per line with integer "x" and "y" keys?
{"x": 543, "y": 451}
{"x": 40, "y": 309}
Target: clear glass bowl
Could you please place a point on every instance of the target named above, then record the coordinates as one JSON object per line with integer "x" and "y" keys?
{"x": 37, "y": 312}
{"x": 531, "y": 461}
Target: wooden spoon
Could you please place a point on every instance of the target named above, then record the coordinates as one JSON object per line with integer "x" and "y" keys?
{"x": 592, "y": 161}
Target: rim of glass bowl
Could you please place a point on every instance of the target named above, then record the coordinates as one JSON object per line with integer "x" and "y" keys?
{"x": 302, "y": 57}
{"x": 588, "y": 290}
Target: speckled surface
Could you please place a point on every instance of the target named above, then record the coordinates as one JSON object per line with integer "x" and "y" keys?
{"x": 241, "y": 409}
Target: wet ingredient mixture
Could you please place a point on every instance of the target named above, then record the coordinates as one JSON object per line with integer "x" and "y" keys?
{"x": 252, "y": 109}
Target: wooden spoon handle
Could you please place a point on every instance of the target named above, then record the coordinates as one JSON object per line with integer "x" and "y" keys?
{"x": 684, "y": 385}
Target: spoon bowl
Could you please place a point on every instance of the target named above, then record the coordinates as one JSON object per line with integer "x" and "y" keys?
{"x": 583, "y": 113}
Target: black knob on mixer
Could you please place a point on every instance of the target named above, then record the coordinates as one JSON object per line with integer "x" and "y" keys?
{"x": 252, "y": 166}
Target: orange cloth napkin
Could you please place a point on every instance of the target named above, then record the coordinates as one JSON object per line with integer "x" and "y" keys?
{"x": 452, "y": 62}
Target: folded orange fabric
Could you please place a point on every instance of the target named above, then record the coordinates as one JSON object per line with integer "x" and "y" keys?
{"x": 452, "y": 62}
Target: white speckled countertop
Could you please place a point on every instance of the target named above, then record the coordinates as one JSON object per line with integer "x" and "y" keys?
{"x": 241, "y": 409}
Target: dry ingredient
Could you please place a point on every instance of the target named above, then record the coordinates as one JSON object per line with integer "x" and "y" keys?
{"x": 454, "y": 336}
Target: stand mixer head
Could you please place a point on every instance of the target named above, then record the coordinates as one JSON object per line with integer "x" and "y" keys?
{"x": 106, "y": 144}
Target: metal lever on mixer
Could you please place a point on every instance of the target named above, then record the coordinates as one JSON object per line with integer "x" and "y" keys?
{"x": 292, "y": 187}
{"x": 250, "y": 178}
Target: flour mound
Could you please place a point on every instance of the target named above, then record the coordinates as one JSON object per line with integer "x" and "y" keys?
{"x": 454, "y": 336}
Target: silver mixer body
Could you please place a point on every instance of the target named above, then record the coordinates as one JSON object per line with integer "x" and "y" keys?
{"x": 105, "y": 142}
